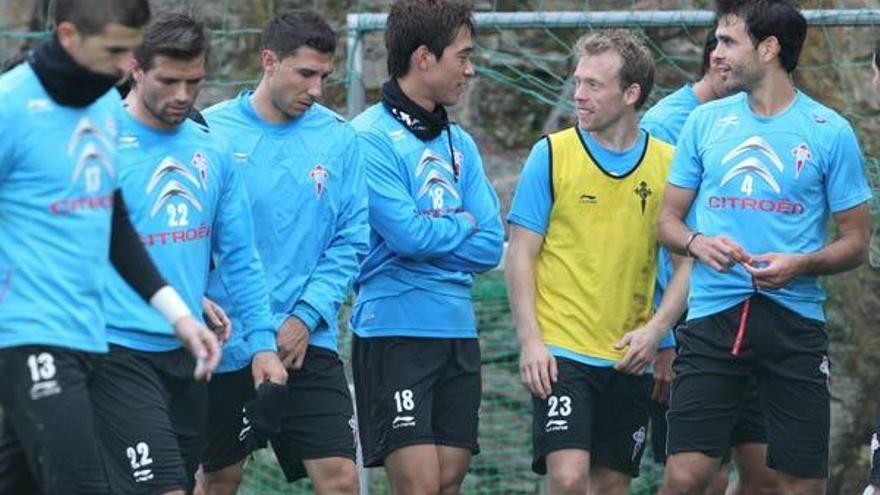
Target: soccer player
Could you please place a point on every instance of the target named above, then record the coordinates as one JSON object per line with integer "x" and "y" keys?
{"x": 581, "y": 268}
{"x": 664, "y": 121}
{"x": 434, "y": 223}
{"x": 186, "y": 198}
{"x": 763, "y": 170}
{"x": 302, "y": 168}
{"x": 60, "y": 216}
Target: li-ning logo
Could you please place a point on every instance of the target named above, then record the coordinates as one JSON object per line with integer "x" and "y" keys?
{"x": 403, "y": 421}
{"x": 643, "y": 191}
{"x": 173, "y": 188}
{"x": 319, "y": 175}
{"x": 752, "y": 164}
{"x": 556, "y": 425}
{"x": 801, "y": 156}
{"x": 588, "y": 199}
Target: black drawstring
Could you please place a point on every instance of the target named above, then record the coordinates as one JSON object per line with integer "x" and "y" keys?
{"x": 456, "y": 167}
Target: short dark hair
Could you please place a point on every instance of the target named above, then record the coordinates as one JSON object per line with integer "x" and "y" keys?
{"x": 637, "y": 63}
{"x": 765, "y": 18}
{"x": 287, "y": 32}
{"x": 175, "y": 36}
{"x": 708, "y": 47}
{"x": 92, "y": 16}
{"x": 413, "y": 23}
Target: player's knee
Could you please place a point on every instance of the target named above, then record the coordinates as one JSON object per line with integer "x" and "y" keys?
{"x": 450, "y": 480}
{"x": 565, "y": 479}
{"x": 451, "y": 486}
{"x": 415, "y": 483}
{"x": 684, "y": 480}
{"x": 718, "y": 485}
{"x": 764, "y": 484}
{"x": 791, "y": 485}
{"x": 224, "y": 481}
{"x": 610, "y": 485}
{"x": 756, "y": 478}
{"x": 340, "y": 478}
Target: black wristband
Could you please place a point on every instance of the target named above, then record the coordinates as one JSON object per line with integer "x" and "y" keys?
{"x": 687, "y": 245}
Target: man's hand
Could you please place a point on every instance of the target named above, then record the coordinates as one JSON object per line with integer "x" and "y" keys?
{"x": 217, "y": 319}
{"x": 663, "y": 374}
{"x": 774, "y": 270}
{"x": 642, "y": 343}
{"x": 266, "y": 367}
{"x": 537, "y": 368}
{"x": 293, "y": 341}
{"x": 201, "y": 343}
{"x": 718, "y": 252}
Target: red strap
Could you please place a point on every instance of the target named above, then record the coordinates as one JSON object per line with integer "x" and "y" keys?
{"x": 741, "y": 331}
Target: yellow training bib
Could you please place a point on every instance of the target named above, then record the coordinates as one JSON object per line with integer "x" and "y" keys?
{"x": 596, "y": 271}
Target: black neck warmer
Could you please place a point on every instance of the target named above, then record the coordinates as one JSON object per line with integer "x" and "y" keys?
{"x": 423, "y": 124}
{"x": 67, "y": 82}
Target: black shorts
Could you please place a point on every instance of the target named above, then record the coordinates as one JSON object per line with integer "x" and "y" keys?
{"x": 786, "y": 354}
{"x": 317, "y": 419}
{"x": 749, "y": 427}
{"x": 151, "y": 419}
{"x": 596, "y": 409}
{"x": 415, "y": 391}
{"x": 49, "y": 442}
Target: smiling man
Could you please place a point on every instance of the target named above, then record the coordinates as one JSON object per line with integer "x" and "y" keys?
{"x": 763, "y": 170}
{"x": 434, "y": 223}
{"x": 581, "y": 270}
